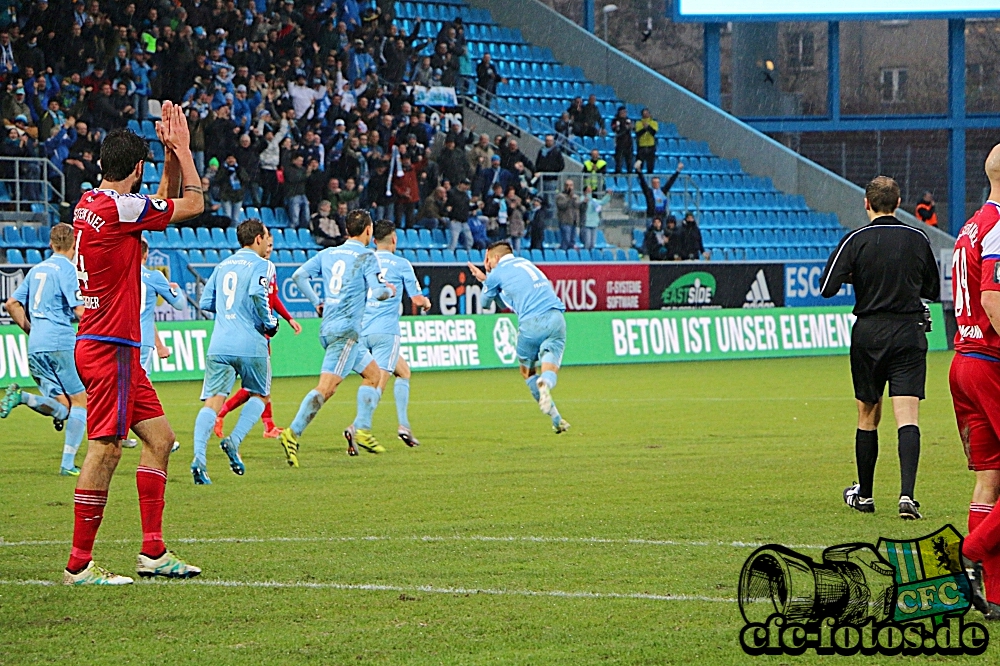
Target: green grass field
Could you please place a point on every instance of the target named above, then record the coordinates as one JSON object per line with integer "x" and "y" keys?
{"x": 494, "y": 542}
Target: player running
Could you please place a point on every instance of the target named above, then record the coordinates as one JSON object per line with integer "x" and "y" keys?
{"x": 44, "y": 305}
{"x": 108, "y": 223}
{"x": 380, "y": 331}
{"x": 975, "y": 382}
{"x": 517, "y": 284}
{"x": 271, "y": 431}
{"x": 237, "y": 292}
{"x": 350, "y": 273}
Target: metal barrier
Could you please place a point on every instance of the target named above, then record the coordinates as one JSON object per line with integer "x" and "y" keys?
{"x": 32, "y": 185}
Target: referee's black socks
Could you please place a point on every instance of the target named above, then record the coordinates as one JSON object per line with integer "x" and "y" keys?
{"x": 866, "y": 452}
{"x": 909, "y": 457}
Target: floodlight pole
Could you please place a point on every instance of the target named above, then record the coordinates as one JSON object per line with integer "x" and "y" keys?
{"x": 588, "y": 16}
{"x": 956, "y": 114}
{"x": 713, "y": 64}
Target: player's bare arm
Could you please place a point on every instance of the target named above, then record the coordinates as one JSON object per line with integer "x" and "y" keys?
{"x": 476, "y": 272}
{"x": 18, "y": 315}
{"x": 989, "y": 299}
{"x": 177, "y": 138}
{"x": 421, "y": 302}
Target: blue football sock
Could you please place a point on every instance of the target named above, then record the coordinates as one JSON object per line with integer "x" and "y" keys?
{"x": 45, "y": 406}
{"x": 203, "y": 425}
{"x": 550, "y": 379}
{"x": 310, "y": 406}
{"x": 532, "y": 383}
{"x": 401, "y": 390}
{"x": 76, "y": 425}
{"x": 251, "y": 411}
{"x": 368, "y": 397}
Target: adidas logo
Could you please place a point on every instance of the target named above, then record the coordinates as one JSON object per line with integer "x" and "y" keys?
{"x": 759, "y": 295}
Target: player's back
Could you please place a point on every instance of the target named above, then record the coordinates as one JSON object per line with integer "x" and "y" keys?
{"x": 50, "y": 292}
{"x": 108, "y": 227}
{"x": 238, "y": 286}
{"x": 975, "y": 264}
{"x": 382, "y": 317}
{"x": 343, "y": 272}
{"x": 523, "y": 287}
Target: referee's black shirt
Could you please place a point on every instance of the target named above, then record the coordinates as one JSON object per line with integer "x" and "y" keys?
{"x": 891, "y": 266}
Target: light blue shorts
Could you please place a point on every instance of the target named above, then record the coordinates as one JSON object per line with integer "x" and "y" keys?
{"x": 541, "y": 338}
{"x": 221, "y": 371}
{"x": 146, "y": 359}
{"x": 55, "y": 373}
{"x": 384, "y": 349}
{"x": 344, "y": 355}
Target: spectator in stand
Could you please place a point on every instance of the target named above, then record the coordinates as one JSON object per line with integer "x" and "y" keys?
{"x": 359, "y": 62}
{"x": 691, "y": 242}
{"x": 432, "y": 214}
{"x": 15, "y": 105}
{"x": 568, "y": 214}
{"x": 590, "y": 118}
{"x": 564, "y": 128}
{"x": 655, "y": 244}
{"x": 296, "y": 202}
{"x": 453, "y": 163}
{"x": 493, "y": 175}
{"x": 645, "y": 139}
{"x": 657, "y": 202}
{"x": 515, "y": 219}
{"x": 270, "y": 159}
{"x": 510, "y": 155}
{"x": 210, "y": 218}
{"x": 230, "y": 181}
{"x": 406, "y": 193}
{"x": 457, "y": 208}
{"x": 487, "y": 79}
{"x": 324, "y": 226}
{"x": 379, "y": 192}
{"x": 926, "y": 210}
{"x": 594, "y": 166}
{"x": 482, "y": 152}
{"x": 550, "y": 157}
{"x": 248, "y": 157}
{"x": 592, "y": 215}
{"x": 79, "y": 167}
{"x": 621, "y": 127}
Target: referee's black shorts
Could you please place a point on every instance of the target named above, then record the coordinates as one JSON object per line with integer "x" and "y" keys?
{"x": 892, "y": 350}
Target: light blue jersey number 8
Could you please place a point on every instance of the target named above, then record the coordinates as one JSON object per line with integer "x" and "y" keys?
{"x": 336, "y": 278}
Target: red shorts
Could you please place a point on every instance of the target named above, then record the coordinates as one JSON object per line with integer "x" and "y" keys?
{"x": 119, "y": 394}
{"x": 975, "y": 390}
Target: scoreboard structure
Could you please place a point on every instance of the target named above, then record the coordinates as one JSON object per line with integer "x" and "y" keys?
{"x": 723, "y": 11}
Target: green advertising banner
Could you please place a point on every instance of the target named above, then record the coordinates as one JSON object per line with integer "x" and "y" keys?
{"x": 490, "y": 341}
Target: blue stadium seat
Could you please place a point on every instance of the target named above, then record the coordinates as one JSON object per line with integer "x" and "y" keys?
{"x": 14, "y": 256}
{"x": 267, "y": 217}
{"x": 461, "y": 255}
{"x": 196, "y": 257}
{"x": 203, "y": 239}
{"x": 299, "y": 256}
{"x": 219, "y": 239}
{"x": 157, "y": 239}
{"x": 633, "y": 255}
{"x": 585, "y": 255}
{"x": 144, "y": 188}
{"x": 573, "y": 255}
{"x": 172, "y": 239}
{"x": 412, "y": 238}
{"x": 284, "y": 256}
{"x": 211, "y": 256}
{"x": 188, "y": 238}
{"x": 424, "y": 239}
{"x": 436, "y": 256}
{"x": 476, "y": 257}
{"x": 438, "y": 239}
{"x": 537, "y": 256}
{"x": 32, "y": 256}
{"x": 135, "y": 126}
{"x": 29, "y": 236}
{"x": 11, "y": 236}
{"x": 231, "y": 241}
{"x": 423, "y": 257}
{"x": 250, "y": 212}
{"x": 148, "y": 130}
{"x": 410, "y": 255}
{"x": 279, "y": 239}
{"x": 150, "y": 174}
{"x": 157, "y": 149}
{"x": 281, "y": 218}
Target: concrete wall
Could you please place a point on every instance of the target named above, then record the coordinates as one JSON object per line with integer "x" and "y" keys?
{"x": 695, "y": 118}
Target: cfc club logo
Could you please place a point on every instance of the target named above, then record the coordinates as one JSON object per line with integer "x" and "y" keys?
{"x": 899, "y": 597}
{"x": 505, "y": 340}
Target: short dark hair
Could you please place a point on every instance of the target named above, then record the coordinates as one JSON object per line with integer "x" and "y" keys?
{"x": 144, "y": 244}
{"x": 357, "y": 221}
{"x": 121, "y": 151}
{"x": 382, "y": 229}
{"x": 883, "y": 195}
{"x": 248, "y": 231}
{"x": 502, "y": 248}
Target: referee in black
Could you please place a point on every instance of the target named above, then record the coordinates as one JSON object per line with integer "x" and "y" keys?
{"x": 892, "y": 267}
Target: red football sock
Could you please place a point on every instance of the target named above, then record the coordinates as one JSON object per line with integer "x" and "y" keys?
{"x": 151, "y": 483}
{"x": 88, "y": 509}
{"x": 266, "y": 416}
{"x": 977, "y": 513}
{"x": 983, "y": 541}
{"x": 238, "y": 399}
{"x": 991, "y": 577}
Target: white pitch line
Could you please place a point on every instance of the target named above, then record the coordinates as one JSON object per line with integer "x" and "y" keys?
{"x": 430, "y": 539}
{"x": 426, "y": 589}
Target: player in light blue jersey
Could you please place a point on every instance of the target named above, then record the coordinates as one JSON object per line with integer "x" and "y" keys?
{"x": 154, "y": 284}
{"x": 380, "y": 329}
{"x": 349, "y": 274}
{"x": 237, "y": 293}
{"x": 541, "y": 327}
{"x": 44, "y": 306}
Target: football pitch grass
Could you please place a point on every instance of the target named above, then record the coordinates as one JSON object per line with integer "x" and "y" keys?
{"x": 495, "y": 541}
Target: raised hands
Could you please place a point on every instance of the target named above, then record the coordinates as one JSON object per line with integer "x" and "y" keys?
{"x": 172, "y": 128}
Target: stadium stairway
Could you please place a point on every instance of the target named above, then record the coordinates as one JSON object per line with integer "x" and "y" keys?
{"x": 743, "y": 217}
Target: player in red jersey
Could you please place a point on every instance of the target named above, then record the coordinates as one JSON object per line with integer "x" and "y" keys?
{"x": 108, "y": 225}
{"x": 975, "y": 383}
{"x": 271, "y": 431}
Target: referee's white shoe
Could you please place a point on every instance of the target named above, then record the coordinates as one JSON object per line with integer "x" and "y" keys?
{"x": 908, "y": 508}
